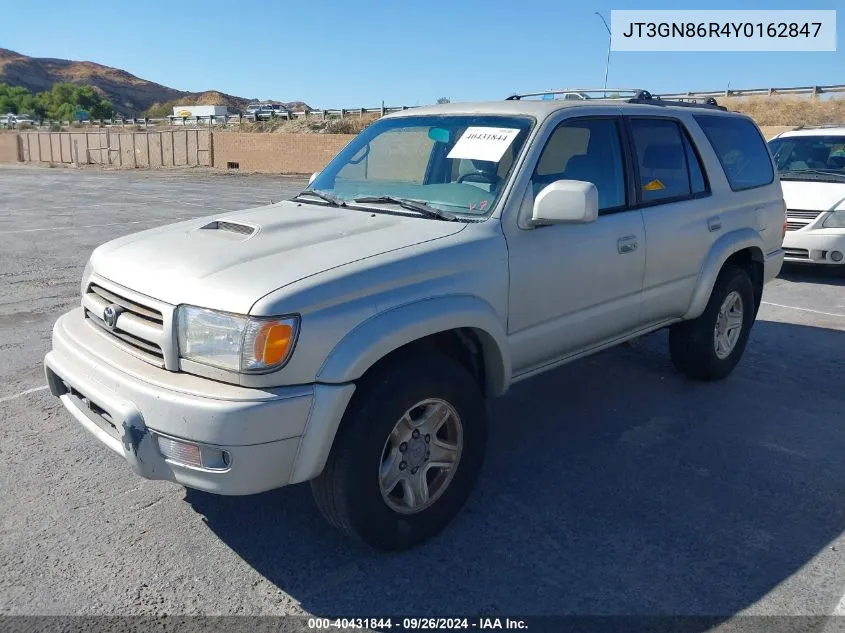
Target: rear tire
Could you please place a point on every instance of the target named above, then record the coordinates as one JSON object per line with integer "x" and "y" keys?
{"x": 710, "y": 346}
{"x": 380, "y": 431}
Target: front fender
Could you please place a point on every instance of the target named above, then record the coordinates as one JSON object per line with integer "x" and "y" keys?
{"x": 387, "y": 331}
{"x": 722, "y": 249}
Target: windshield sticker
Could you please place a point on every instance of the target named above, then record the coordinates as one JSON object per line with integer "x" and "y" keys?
{"x": 483, "y": 143}
{"x": 654, "y": 185}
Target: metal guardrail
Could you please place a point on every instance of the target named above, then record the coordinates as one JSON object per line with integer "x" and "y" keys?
{"x": 223, "y": 120}
{"x": 768, "y": 92}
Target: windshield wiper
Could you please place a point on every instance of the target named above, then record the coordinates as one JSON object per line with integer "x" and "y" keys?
{"x": 327, "y": 197}
{"x": 797, "y": 173}
{"x": 411, "y": 205}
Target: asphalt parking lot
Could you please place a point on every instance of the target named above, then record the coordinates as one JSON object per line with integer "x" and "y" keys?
{"x": 612, "y": 485}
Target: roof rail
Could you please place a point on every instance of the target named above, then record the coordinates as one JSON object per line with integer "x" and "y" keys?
{"x": 637, "y": 95}
{"x": 583, "y": 93}
{"x": 686, "y": 102}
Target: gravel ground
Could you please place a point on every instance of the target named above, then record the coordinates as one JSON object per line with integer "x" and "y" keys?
{"x": 612, "y": 485}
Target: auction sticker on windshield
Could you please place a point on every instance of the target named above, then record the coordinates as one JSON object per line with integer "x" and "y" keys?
{"x": 483, "y": 143}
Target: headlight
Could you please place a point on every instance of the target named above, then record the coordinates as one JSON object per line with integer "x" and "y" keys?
{"x": 235, "y": 342}
{"x": 835, "y": 220}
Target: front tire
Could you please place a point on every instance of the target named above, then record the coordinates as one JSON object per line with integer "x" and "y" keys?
{"x": 407, "y": 454}
{"x": 710, "y": 346}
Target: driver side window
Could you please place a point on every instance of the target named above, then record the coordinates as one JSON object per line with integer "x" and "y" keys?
{"x": 588, "y": 150}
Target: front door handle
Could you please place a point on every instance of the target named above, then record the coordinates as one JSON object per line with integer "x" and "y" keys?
{"x": 626, "y": 244}
{"x": 714, "y": 223}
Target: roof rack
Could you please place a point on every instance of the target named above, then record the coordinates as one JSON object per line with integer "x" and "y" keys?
{"x": 630, "y": 95}
{"x": 686, "y": 102}
{"x": 582, "y": 93}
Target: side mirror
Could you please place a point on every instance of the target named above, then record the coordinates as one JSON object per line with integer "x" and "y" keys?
{"x": 566, "y": 202}
{"x": 313, "y": 177}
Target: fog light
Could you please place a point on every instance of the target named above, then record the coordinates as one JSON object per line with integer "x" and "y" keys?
{"x": 836, "y": 256}
{"x": 214, "y": 459}
{"x": 182, "y": 452}
{"x": 191, "y": 454}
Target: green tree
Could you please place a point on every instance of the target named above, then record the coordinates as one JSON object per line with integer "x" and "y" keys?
{"x": 61, "y": 102}
{"x": 13, "y": 99}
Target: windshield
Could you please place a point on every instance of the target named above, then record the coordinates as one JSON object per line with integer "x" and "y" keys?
{"x": 815, "y": 155}
{"x": 455, "y": 163}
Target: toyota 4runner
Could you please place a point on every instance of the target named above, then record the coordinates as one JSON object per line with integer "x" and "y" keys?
{"x": 350, "y": 336}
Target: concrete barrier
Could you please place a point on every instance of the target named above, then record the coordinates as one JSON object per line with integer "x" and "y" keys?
{"x": 253, "y": 152}
{"x": 276, "y": 153}
{"x": 165, "y": 148}
{"x": 10, "y": 148}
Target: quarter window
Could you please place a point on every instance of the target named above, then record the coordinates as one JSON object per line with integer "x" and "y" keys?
{"x": 588, "y": 150}
{"x": 740, "y": 149}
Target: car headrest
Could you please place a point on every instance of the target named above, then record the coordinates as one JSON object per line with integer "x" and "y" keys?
{"x": 581, "y": 167}
{"x": 664, "y": 156}
{"x": 820, "y": 153}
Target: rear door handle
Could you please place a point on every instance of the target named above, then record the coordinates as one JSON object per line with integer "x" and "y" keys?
{"x": 626, "y": 244}
{"x": 714, "y": 223}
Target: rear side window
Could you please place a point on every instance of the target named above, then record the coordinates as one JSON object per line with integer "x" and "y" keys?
{"x": 740, "y": 148}
{"x": 668, "y": 167}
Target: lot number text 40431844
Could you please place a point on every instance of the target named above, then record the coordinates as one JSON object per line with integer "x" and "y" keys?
{"x": 418, "y": 624}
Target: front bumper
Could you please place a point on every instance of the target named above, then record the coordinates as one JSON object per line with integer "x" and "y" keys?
{"x": 272, "y": 437}
{"x": 772, "y": 265}
{"x": 815, "y": 246}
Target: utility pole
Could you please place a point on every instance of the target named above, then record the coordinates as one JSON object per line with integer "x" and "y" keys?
{"x": 609, "y": 40}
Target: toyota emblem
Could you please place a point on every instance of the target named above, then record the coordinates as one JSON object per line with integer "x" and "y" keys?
{"x": 110, "y": 315}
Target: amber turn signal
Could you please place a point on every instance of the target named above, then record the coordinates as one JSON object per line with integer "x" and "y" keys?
{"x": 273, "y": 342}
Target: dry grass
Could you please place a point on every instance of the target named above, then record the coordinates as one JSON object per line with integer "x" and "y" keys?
{"x": 351, "y": 124}
{"x": 788, "y": 110}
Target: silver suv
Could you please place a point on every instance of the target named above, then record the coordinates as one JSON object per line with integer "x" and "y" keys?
{"x": 351, "y": 336}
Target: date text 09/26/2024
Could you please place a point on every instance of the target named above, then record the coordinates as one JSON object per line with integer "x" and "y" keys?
{"x": 418, "y": 624}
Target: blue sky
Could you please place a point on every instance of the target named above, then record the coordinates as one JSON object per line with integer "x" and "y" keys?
{"x": 352, "y": 54}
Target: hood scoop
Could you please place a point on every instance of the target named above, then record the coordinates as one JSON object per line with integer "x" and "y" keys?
{"x": 235, "y": 229}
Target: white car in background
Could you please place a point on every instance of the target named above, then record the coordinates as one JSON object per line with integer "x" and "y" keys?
{"x": 16, "y": 120}
{"x": 811, "y": 165}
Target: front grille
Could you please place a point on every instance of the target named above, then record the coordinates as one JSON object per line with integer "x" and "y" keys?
{"x": 794, "y": 226}
{"x": 138, "y": 329}
{"x": 802, "y": 214}
{"x": 797, "y": 253}
{"x": 136, "y": 308}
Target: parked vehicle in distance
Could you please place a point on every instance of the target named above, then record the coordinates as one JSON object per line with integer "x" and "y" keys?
{"x": 350, "y": 336}
{"x": 16, "y": 120}
{"x": 264, "y": 111}
{"x": 811, "y": 166}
